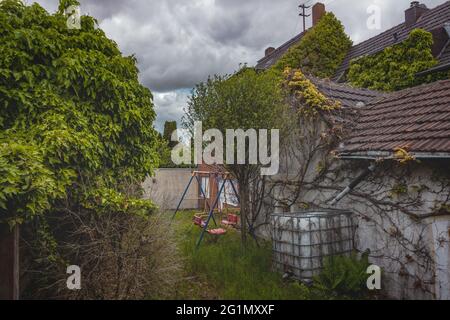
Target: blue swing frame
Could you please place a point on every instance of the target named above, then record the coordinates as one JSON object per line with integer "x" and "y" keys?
{"x": 226, "y": 177}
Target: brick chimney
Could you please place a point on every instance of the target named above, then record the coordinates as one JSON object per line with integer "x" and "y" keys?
{"x": 414, "y": 12}
{"x": 318, "y": 10}
{"x": 268, "y": 51}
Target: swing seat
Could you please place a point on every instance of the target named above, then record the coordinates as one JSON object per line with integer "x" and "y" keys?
{"x": 232, "y": 220}
{"x": 217, "y": 232}
{"x": 198, "y": 221}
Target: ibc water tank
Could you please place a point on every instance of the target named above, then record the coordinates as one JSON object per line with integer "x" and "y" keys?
{"x": 302, "y": 240}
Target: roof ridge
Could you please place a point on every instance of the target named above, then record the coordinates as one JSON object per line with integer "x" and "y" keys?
{"x": 422, "y": 17}
{"x": 429, "y": 20}
{"x": 293, "y": 39}
{"x": 343, "y": 85}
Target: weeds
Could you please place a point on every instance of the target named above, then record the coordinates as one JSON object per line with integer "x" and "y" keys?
{"x": 226, "y": 270}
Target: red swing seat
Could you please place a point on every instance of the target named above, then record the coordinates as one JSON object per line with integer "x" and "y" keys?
{"x": 232, "y": 220}
{"x": 198, "y": 220}
{"x": 217, "y": 232}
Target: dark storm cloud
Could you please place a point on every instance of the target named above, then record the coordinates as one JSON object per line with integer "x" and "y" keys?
{"x": 179, "y": 43}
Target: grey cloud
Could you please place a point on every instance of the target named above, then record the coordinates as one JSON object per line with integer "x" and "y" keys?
{"x": 179, "y": 43}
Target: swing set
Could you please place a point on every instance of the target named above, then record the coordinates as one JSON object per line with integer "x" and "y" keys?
{"x": 232, "y": 219}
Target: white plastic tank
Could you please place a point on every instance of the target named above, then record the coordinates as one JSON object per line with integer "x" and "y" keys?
{"x": 301, "y": 240}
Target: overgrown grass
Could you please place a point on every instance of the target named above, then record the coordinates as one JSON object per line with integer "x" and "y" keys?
{"x": 223, "y": 269}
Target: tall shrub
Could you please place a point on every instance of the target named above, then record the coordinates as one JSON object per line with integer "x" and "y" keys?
{"x": 321, "y": 50}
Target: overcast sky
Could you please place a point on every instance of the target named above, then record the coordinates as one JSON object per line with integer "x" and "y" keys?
{"x": 179, "y": 43}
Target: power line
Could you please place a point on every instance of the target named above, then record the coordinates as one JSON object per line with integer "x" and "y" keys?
{"x": 303, "y": 14}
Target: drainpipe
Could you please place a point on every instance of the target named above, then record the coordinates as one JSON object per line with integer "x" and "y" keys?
{"x": 354, "y": 183}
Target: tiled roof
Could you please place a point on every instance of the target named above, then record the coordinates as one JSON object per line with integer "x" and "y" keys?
{"x": 430, "y": 20}
{"x": 272, "y": 58}
{"x": 444, "y": 57}
{"x": 417, "y": 119}
{"x": 347, "y": 95}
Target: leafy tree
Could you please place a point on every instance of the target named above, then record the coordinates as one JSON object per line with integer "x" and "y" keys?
{"x": 76, "y": 124}
{"x": 169, "y": 127}
{"x": 321, "y": 50}
{"x": 395, "y": 67}
{"x": 245, "y": 100}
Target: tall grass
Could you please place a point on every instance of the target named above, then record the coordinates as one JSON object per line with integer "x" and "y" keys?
{"x": 231, "y": 271}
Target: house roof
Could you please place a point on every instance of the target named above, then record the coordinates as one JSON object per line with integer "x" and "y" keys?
{"x": 416, "y": 119}
{"x": 347, "y": 95}
{"x": 430, "y": 20}
{"x": 444, "y": 57}
{"x": 273, "y": 57}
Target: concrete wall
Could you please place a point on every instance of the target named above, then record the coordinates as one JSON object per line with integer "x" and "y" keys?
{"x": 166, "y": 187}
{"x": 414, "y": 253}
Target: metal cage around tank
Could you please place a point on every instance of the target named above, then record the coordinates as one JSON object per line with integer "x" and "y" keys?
{"x": 302, "y": 240}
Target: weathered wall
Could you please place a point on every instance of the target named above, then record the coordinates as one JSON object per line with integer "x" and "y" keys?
{"x": 392, "y": 209}
{"x": 401, "y": 209}
{"x": 166, "y": 188}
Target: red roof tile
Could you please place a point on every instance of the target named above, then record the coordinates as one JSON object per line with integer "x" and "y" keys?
{"x": 430, "y": 20}
{"x": 417, "y": 119}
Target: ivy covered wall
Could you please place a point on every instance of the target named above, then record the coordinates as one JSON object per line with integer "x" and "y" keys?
{"x": 395, "y": 67}
{"x": 321, "y": 50}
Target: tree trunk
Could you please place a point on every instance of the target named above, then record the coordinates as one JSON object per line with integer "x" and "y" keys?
{"x": 9, "y": 263}
{"x": 245, "y": 208}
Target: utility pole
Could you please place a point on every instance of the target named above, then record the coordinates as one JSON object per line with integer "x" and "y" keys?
{"x": 303, "y": 14}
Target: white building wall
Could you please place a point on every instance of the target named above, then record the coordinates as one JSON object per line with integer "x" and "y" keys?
{"x": 166, "y": 187}
{"x": 414, "y": 253}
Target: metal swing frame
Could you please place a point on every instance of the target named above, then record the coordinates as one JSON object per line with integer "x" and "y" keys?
{"x": 195, "y": 174}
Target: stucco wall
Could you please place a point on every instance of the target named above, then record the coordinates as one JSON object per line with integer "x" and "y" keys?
{"x": 391, "y": 207}
{"x": 166, "y": 187}
{"x": 413, "y": 253}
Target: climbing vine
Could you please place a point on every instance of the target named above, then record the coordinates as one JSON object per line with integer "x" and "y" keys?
{"x": 76, "y": 138}
{"x": 395, "y": 67}
{"x": 309, "y": 100}
{"x": 320, "y": 51}
{"x": 72, "y": 112}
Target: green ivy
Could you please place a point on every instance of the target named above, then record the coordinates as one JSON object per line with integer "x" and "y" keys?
{"x": 74, "y": 119}
{"x": 321, "y": 50}
{"x": 395, "y": 67}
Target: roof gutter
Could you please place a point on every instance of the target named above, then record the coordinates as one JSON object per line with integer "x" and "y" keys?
{"x": 387, "y": 155}
{"x": 443, "y": 67}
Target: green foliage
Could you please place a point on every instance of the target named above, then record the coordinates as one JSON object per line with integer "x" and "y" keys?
{"x": 169, "y": 127}
{"x": 245, "y": 100}
{"x": 223, "y": 269}
{"x": 395, "y": 67}
{"x": 343, "y": 277}
{"x": 74, "y": 119}
{"x": 321, "y": 50}
{"x": 26, "y": 184}
{"x": 64, "y": 4}
{"x": 105, "y": 200}
{"x": 308, "y": 99}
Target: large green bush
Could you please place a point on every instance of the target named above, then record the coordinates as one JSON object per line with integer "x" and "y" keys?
{"x": 76, "y": 140}
{"x": 395, "y": 67}
{"x": 321, "y": 50}
{"x": 73, "y": 115}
